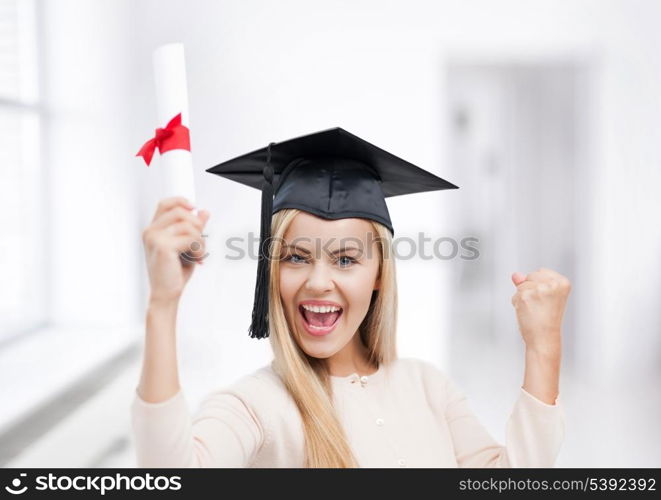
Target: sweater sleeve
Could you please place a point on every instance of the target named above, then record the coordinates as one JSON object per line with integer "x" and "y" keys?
{"x": 534, "y": 432}
{"x": 223, "y": 433}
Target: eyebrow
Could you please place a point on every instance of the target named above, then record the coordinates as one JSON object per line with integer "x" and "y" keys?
{"x": 334, "y": 252}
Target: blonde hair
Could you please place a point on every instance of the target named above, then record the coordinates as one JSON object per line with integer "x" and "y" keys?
{"x": 306, "y": 378}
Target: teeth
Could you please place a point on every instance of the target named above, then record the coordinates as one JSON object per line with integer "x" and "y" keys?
{"x": 321, "y": 309}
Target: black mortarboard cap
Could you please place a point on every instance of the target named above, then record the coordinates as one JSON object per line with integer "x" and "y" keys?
{"x": 332, "y": 174}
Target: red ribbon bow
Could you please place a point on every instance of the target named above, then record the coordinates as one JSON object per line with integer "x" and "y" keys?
{"x": 173, "y": 136}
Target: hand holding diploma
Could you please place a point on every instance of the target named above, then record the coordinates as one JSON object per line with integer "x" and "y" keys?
{"x": 174, "y": 230}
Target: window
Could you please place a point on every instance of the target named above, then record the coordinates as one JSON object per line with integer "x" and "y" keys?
{"x": 23, "y": 282}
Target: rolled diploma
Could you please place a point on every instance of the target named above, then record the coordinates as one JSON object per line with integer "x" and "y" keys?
{"x": 171, "y": 99}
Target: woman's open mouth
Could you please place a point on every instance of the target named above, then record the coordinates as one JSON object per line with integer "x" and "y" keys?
{"x": 320, "y": 320}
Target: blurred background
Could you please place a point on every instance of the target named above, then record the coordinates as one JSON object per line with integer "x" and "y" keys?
{"x": 547, "y": 115}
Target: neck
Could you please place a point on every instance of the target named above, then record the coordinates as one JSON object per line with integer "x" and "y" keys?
{"x": 352, "y": 358}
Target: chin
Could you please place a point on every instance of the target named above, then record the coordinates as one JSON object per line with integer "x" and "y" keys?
{"x": 319, "y": 353}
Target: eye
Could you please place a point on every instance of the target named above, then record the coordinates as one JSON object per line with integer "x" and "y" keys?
{"x": 291, "y": 258}
{"x": 347, "y": 263}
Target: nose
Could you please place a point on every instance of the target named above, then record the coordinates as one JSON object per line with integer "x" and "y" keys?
{"x": 320, "y": 279}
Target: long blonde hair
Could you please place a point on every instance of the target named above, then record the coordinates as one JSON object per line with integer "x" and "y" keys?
{"x": 307, "y": 378}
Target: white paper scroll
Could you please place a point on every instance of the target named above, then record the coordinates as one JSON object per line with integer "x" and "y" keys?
{"x": 176, "y": 166}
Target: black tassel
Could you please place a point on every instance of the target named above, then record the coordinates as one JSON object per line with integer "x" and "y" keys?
{"x": 260, "y": 311}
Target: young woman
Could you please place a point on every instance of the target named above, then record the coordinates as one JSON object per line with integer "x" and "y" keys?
{"x": 336, "y": 394}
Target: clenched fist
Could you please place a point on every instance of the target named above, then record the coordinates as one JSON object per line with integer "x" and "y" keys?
{"x": 540, "y": 301}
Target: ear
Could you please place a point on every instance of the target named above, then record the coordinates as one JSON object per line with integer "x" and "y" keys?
{"x": 377, "y": 284}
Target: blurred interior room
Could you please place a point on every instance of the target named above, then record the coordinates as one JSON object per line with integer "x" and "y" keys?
{"x": 546, "y": 114}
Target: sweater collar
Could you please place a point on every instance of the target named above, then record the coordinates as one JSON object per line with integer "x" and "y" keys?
{"x": 358, "y": 380}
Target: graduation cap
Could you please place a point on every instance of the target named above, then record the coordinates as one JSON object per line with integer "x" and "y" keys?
{"x": 332, "y": 174}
